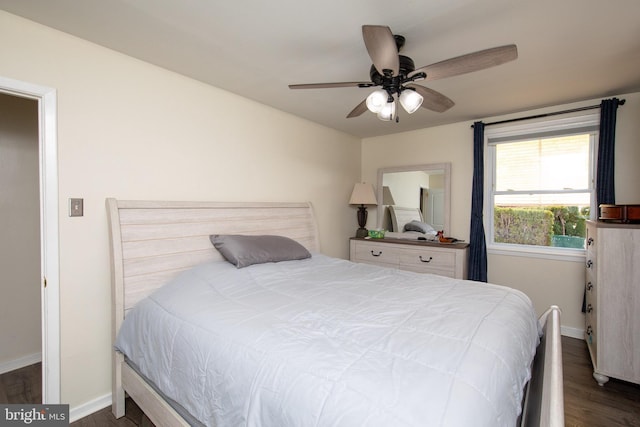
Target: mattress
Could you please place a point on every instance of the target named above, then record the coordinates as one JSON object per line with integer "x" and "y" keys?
{"x": 327, "y": 342}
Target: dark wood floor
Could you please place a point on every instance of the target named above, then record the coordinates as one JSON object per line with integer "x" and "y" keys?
{"x": 585, "y": 403}
{"x": 104, "y": 418}
{"x": 617, "y": 403}
{"x": 23, "y": 385}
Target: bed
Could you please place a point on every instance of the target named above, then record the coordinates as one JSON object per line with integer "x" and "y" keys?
{"x": 350, "y": 362}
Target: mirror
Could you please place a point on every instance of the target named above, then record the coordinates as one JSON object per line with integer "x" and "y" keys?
{"x": 427, "y": 187}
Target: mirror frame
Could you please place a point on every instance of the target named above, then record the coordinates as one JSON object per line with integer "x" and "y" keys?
{"x": 446, "y": 167}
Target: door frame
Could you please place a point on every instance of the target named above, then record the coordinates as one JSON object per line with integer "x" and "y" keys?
{"x": 49, "y": 234}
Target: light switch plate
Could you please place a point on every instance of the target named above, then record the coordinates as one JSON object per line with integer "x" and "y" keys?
{"x": 76, "y": 207}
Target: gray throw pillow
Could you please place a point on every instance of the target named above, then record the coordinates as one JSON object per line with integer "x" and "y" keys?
{"x": 242, "y": 251}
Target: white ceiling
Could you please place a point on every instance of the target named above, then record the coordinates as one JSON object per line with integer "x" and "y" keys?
{"x": 569, "y": 50}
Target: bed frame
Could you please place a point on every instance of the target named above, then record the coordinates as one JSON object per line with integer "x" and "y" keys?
{"x": 152, "y": 241}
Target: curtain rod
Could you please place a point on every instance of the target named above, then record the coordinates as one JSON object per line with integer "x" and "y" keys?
{"x": 591, "y": 107}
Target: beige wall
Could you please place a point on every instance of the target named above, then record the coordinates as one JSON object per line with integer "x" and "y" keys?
{"x": 19, "y": 233}
{"x": 545, "y": 281}
{"x": 130, "y": 130}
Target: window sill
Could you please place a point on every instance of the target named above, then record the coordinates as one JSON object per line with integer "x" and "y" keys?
{"x": 556, "y": 254}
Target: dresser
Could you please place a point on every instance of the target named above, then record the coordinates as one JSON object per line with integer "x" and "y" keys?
{"x": 423, "y": 257}
{"x": 612, "y": 288}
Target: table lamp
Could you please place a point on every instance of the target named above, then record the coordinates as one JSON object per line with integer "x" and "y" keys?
{"x": 362, "y": 195}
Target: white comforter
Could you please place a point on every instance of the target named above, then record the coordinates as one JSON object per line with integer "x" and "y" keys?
{"x": 326, "y": 342}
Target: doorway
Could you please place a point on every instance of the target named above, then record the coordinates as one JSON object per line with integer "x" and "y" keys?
{"x": 432, "y": 206}
{"x": 48, "y": 218}
{"x": 20, "y": 328}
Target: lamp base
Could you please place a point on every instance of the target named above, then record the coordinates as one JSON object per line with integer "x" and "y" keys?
{"x": 362, "y": 232}
{"x": 362, "y": 221}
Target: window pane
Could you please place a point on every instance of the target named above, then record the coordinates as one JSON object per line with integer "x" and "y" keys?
{"x": 543, "y": 164}
{"x": 539, "y": 200}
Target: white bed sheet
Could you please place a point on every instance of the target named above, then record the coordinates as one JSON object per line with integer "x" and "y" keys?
{"x": 326, "y": 342}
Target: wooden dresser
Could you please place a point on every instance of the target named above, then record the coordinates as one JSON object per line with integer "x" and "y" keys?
{"x": 422, "y": 257}
{"x": 613, "y": 300}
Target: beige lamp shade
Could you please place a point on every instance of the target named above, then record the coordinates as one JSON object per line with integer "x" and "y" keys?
{"x": 363, "y": 195}
{"x": 387, "y": 198}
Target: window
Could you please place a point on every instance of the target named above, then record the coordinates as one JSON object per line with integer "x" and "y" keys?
{"x": 540, "y": 186}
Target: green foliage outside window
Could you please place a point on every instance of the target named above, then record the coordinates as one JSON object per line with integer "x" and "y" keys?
{"x": 568, "y": 220}
{"x": 523, "y": 226}
{"x": 560, "y": 226}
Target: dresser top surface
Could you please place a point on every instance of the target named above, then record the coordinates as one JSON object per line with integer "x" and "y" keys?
{"x": 460, "y": 245}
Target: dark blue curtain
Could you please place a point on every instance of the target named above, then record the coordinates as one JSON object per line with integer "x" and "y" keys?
{"x": 605, "y": 184}
{"x": 605, "y": 173}
{"x": 477, "y": 242}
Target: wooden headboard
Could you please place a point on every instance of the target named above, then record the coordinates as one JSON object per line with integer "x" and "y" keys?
{"x": 401, "y": 215}
{"x": 152, "y": 241}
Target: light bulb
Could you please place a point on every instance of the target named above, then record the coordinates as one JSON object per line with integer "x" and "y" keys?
{"x": 410, "y": 100}
{"x": 388, "y": 112}
{"x": 377, "y": 100}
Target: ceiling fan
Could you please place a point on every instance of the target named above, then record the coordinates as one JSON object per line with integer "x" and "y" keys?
{"x": 396, "y": 74}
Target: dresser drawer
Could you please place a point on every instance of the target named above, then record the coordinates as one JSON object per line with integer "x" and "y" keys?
{"x": 591, "y": 310}
{"x": 591, "y": 335}
{"x": 449, "y": 260}
{"x": 590, "y": 287}
{"x": 591, "y": 272}
{"x": 375, "y": 253}
{"x": 429, "y": 261}
{"x": 591, "y": 241}
{"x": 590, "y": 283}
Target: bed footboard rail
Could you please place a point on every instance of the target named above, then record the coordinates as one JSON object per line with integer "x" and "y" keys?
{"x": 544, "y": 402}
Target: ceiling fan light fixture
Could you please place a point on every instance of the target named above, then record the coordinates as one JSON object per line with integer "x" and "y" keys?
{"x": 388, "y": 112}
{"x": 377, "y": 100}
{"x": 410, "y": 100}
{"x": 390, "y": 72}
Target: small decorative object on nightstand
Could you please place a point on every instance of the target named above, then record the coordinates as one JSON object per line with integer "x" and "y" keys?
{"x": 362, "y": 195}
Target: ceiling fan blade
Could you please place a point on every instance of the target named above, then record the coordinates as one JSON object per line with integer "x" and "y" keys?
{"x": 432, "y": 100}
{"x": 330, "y": 85}
{"x": 382, "y": 48}
{"x": 360, "y": 108}
{"x": 470, "y": 62}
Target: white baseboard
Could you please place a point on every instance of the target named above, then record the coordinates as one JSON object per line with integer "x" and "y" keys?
{"x": 572, "y": 332}
{"x": 89, "y": 408}
{"x": 27, "y": 360}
